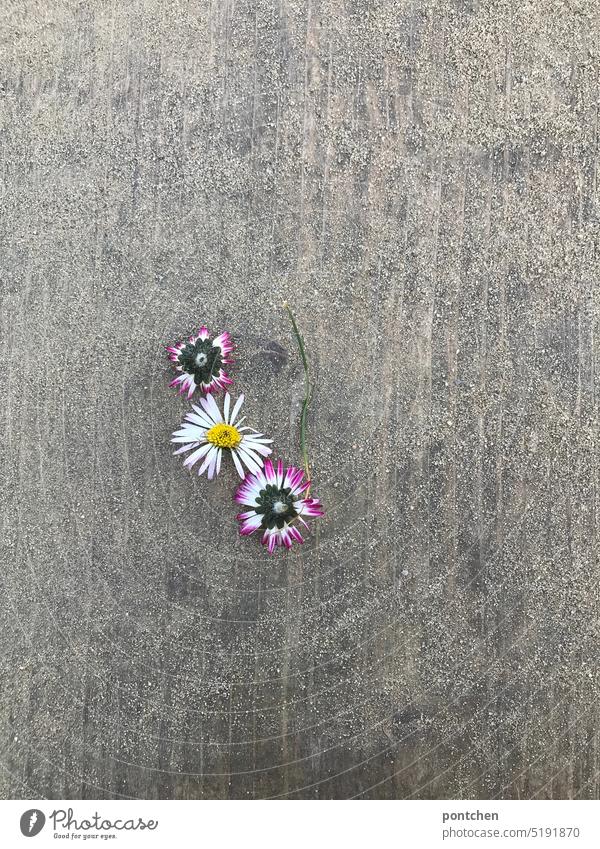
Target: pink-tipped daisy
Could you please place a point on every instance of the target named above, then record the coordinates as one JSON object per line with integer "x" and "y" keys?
{"x": 277, "y": 505}
{"x": 210, "y": 432}
{"x": 200, "y": 360}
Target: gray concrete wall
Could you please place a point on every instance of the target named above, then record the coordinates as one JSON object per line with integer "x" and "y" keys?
{"x": 419, "y": 181}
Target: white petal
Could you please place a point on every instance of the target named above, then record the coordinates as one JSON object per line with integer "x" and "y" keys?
{"x": 219, "y": 457}
{"x": 259, "y": 449}
{"x": 252, "y": 522}
{"x": 191, "y": 431}
{"x": 238, "y": 465}
{"x": 202, "y": 421}
{"x": 207, "y": 459}
{"x": 226, "y": 404}
{"x": 247, "y": 459}
{"x": 189, "y": 440}
{"x": 237, "y": 408}
{"x": 257, "y": 444}
{"x": 210, "y": 407}
{"x": 202, "y": 415}
{"x": 192, "y": 459}
{"x": 213, "y": 464}
{"x": 247, "y": 515}
{"x": 250, "y": 497}
{"x": 185, "y": 448}
{"x": 250, "y": 449}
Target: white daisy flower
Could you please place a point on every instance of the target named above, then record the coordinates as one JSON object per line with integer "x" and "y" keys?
{"x": 209, "y": 432}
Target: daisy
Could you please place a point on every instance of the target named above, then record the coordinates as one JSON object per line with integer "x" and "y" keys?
{"x": 200, "y": 361}
{"x": 211, "y": 432}
{"x": 275, "y": 497}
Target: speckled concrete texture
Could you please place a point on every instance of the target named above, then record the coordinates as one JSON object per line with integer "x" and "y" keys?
{"x": 419, "y": 181}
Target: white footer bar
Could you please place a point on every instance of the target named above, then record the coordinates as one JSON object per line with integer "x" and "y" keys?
{"x": 291, "y": 824}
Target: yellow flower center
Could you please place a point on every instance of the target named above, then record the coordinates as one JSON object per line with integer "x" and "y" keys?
{"x": 224, "y": 436}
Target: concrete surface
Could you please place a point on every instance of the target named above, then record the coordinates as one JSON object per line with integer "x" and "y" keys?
{"x": 419, "y": 180}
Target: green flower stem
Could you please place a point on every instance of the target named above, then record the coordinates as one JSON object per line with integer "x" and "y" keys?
{"x": 307, "y": 392}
